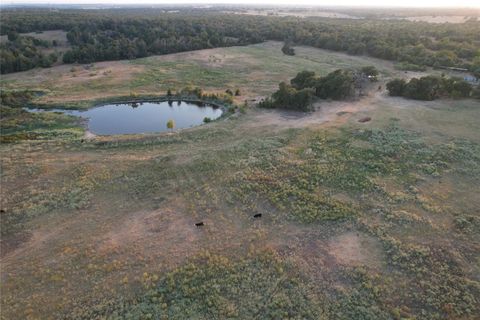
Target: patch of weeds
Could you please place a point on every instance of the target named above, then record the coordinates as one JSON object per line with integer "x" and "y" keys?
{"x": 72, "y": 193}
{"x": 467, "y": 223}
{"x": 164, "y": 174}
{"x": 467, "y": 154}
{"x": 215, "y": 287}
{"x": 362, "y": 301}
{"x": 438, "y": 288}
{"x": 17, "y": 124}
{"x": 300, "y": 181}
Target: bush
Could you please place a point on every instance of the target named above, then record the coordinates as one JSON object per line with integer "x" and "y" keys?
{"x": 287, "y": 97}
{"x": 396, "y": 87}
{"x": 371, "y": 72}
{"x": 288, "y": 50}
{"x": 304, "y": 79}
{"x": 337, "y": 85}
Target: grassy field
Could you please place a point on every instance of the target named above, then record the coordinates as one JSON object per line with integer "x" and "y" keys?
{"x": 255, "y": 69}
{"x": 375, "y": 220}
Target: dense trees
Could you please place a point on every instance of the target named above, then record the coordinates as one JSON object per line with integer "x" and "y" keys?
{"x": 430, "y": 88}
{"x": 336, "y": 85}
{"x": 22, "y": 53}
{"x": 304, "y": 79}
{"x": 287, "y": 97}
{"x": 305, "y": 86}
{"x": 132, "y": 33}
{"x": 396, "y": 87}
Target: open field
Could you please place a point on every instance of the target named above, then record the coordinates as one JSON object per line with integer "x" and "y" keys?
{"x": 442, "y": 19}
{"x": 301, "y": 13}
{"x": 255, "y": 69}
{"x": 374, "y": 220}
{"x": 394, "y": 14}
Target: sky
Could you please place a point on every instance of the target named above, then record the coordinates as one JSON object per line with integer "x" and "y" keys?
{"x": 379, "y": 3}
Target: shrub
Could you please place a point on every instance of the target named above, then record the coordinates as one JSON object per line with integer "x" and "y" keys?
{"x": 371, "y": 72}
{"x": 304, "y": 79}
{"x": 336, "y": 85}
{"x": 170, "y": 124}
{"x": 287, "y": 49}
{"x": 396, "y": 87}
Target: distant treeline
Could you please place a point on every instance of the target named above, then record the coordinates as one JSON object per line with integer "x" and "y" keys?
{"x": 22, "y": 53}
{"x": 125, "y": 34}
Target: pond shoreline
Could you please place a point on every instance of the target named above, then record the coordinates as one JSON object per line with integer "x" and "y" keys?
{"x": 137, "y": 116}
{"x": 89, "y": 104}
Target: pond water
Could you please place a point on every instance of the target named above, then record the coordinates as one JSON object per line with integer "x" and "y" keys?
{"x": 146, "y": 117}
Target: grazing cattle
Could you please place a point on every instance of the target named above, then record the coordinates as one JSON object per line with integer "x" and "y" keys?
{"x": 365, "y": 119}
{"x": 199, "y": 224}
{"x": 257, "y": 215}
{"x": 2, "y": 211}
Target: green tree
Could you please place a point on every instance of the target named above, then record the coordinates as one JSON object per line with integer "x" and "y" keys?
{"x": 303, "y": 79}
{"x": 396, "y": 87}
{"x": 170, "y": 124}
{"x": 425, "y": 88}
{"x": 461, "y": 89}
{"x": 336, "y": 85}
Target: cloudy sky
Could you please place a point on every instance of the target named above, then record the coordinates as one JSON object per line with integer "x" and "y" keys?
{"x": 382, "y": 3}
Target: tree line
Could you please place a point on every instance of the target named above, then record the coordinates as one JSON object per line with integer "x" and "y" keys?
{"x": 430, "y": 88}
{"x": 22, "y": 53}
{"x": 133, "y": 33}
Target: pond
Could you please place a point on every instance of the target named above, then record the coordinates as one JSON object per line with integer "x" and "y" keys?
{"x": 145, "y": 117}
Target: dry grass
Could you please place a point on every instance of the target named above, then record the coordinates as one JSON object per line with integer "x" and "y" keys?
{"x": 256, "y": 70}
{"x": 111, "y": 217}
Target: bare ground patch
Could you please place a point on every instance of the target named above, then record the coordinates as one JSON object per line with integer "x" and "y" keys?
{"x": 164, "y": 232}
{"x": 355, "y": 249}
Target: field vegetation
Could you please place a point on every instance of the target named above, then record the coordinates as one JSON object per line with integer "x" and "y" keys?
{"x": 363, "y": 208}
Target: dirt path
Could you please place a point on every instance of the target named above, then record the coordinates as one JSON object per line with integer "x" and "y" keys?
{"x": 333, "y": 113}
